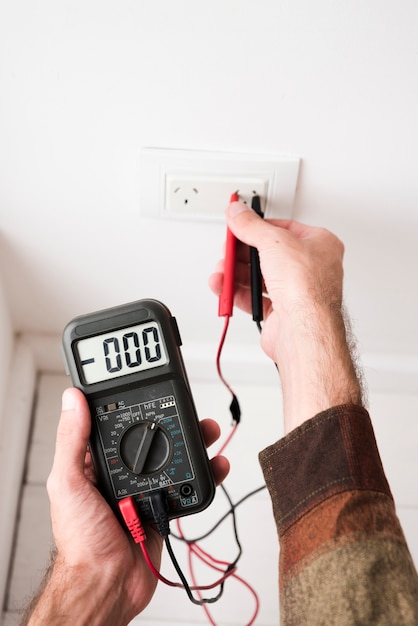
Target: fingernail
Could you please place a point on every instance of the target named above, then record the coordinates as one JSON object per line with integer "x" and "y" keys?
{"x": 68, "y": 400}
{"x": 237, "y": 207}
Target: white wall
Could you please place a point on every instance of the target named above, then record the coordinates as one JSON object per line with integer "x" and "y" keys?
{"x": 6, "y": 346}
{"x": 87, "y": 83}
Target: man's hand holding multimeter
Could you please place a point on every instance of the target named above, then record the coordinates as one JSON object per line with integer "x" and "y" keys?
{"x": 93, "y": 549}
{"x": 145, "y": 436}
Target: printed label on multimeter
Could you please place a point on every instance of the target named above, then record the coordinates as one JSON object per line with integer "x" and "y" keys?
{"x": 145, "y": 433}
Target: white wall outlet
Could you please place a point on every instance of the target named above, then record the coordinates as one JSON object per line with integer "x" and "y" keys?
{"x": 190, "y": 184}
{"x": 200, "y": 195}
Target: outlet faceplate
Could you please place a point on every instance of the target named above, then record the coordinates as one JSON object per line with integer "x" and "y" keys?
{"x": 200, "y": 195}
{"x": 190, "y": 184}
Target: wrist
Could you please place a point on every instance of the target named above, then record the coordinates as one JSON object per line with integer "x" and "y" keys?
{"x": 77, "y": 595}
{"x": 314, "y": 356}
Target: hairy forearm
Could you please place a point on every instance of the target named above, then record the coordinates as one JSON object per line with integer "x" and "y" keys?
{"x": 317, "y": 363}
{"x": 69, "y": 595}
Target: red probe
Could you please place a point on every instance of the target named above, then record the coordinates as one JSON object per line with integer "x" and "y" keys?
{"x": 226, "y": 305}
{"x": 226, "y": 298}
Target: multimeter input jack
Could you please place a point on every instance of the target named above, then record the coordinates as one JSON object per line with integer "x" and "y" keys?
{"x": 186, "y": 490}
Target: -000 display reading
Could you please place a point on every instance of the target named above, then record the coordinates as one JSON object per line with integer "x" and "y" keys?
{"x": 121, "y": 352}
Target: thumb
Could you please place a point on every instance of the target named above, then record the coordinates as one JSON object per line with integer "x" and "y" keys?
{"x": 246, "y": 225}
{"x": 72, "y": 434}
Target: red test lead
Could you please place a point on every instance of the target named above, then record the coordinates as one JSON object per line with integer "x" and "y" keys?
{"x": 226, "y": 304}
{"x": 226, "y": 298}
{"x": 130, "y": 515}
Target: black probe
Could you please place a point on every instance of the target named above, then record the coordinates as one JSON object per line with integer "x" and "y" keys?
{"x": 255, "y": 273}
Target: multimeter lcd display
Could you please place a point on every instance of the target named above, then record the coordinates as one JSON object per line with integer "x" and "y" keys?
{"x": 121, "y": 352}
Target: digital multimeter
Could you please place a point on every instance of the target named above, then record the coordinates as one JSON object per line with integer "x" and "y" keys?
{"x": 145, "y": 434}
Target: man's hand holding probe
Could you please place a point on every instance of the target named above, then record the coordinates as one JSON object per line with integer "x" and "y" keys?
{"x": 343, "y": 555}
{"x": 304, "y": 331}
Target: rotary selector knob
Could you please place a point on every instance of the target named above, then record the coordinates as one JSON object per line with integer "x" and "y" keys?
{"x": 145, "y": 448}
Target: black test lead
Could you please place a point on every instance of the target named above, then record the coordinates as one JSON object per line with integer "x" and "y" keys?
{"x": 255, "y": 273}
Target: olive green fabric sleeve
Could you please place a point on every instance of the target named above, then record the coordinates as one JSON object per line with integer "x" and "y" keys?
{"x": 343, "y": 556}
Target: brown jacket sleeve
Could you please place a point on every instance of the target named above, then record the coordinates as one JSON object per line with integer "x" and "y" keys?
{"x": 343, "y": 556}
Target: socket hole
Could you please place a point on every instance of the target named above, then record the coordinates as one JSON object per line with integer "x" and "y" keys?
{"x": 177, "y": 189}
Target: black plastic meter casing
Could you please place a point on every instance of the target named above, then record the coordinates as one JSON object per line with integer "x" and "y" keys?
{"x": 133, "y": 407}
